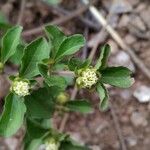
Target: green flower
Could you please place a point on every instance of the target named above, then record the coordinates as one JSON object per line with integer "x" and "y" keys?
{"x": 20, "y": 87}
{"x": 86, "y": 78}
{"x": 52, "y": 144}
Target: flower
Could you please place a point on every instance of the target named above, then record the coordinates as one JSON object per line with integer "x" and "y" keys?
{"x": 87, "y": 77}
{"x": 52, "y": 144}
{"x": 21, "y": 87}
{"x": 62, "y": 98}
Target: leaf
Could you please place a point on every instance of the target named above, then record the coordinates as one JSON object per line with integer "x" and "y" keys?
{"x": 81, "y": 106}
{"x": 76, "y": 63}
{"x": 34, "y": 130}
{"x": 39, "y": 106}
{"x": 70, "y": 46}
{"x": 12, "y": 116}
{"x": 34, "y": 53}
{"x": 34, "y": 144}
{"x": 10, "y": 42}
{"x": 117, "y": 76}
{"x": 34, "y": 136}
{"x": 51, "y": 80}
{"x": 56, "y": 37}
{"x": 103, "y": 59}
{"x": 16, "y": 58}
{"x": 103, "y": 95}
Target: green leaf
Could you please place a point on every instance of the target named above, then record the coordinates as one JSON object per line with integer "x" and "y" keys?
{"x": 76, "y": 63}
{"x": 117, "y": 76}
{"x": 70, "y": 46}
{"x": 56, "y": 36}
{"x": 10, "y": 42}
{"x": 39, "y": 106}
{"x": 34, "y": 53}
{"x": 81, "y": 106}
{"x": 103, "y": 95}
{"x": 34, "y": 144}
{"x": 34, "y": 135}
{"x": 51, "y": 80}
{"x": 103, "y": 59}
{"x": 13, "y": 115}
{"x": 34, "y": 130}
{"x": 16, "y": 58}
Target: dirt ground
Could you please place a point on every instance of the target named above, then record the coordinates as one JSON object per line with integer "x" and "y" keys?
{"x": 131, "y": 20}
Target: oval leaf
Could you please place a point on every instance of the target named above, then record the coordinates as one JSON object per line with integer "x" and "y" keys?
{"x": 103, "y": 59}
{"x": 103, "y": 95}
{"x": 10, "y": 42}
{"x": 34, "y": 53}
{"x": 70, "y": 46}
{"x": 56, "y": 37}
{"x": 81, "y": 106}
{"x": 13, "y": 115}
{"x": 117, "y": 76}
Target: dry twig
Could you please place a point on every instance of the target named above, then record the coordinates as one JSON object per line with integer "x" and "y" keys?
{"x": 57, "y": 21}
{"x": 22, "y": 7}
{"x": 118, "y": 39}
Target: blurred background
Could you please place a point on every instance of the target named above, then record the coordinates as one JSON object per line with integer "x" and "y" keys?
{"x": 126, "y": 125}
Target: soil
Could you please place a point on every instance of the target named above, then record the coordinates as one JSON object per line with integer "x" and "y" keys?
{"x": 131, "y": 19}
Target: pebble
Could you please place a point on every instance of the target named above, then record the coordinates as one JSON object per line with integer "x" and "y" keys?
{"x": 131, "y": 141}
{"x": 120, "y": 7}
{"x": 95, "y": 147}
{"x": 123, "y": 59}
{"x": 138, "y": 119}
{"x": 142, "y": 94}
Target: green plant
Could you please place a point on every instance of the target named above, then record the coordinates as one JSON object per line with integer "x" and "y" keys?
{"x": 33, "y": 104}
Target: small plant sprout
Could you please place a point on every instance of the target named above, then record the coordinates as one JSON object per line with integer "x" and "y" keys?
{"x": 40, "y": 63}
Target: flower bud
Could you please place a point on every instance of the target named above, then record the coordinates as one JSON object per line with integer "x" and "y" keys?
{"x": 1, "y": 67}
{"x": 62, "y": 98}
{"x": 87, "y": 78}
{"x": 21, "y": 87}
{"x": 52, "y": 144}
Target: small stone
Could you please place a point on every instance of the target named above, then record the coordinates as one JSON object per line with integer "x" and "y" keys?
{"x": 138, "y": 119}
{"x": 145, "y": 16}
{"x": 95, "y": 147}
{"x": 137, "y": 22}
{"x": 123, "y": 59}
{"x": 120, "y": 7}
{"x": 124, "y": 21}
{"x": 131, "y": 141}
{"x": 142, "y": 94}
{"x": 126, "y": 94}
{"x": 130, "y": 39}
{"x": 134, "y": 2}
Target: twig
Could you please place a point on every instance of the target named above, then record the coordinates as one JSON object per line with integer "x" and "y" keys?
{"x": 22, "y": 7}
{"x": 117, "y": 126}
{"x": 66, "y": 116}
{"x": 118, "y": 39}
{"x": 57, "y": 21}
{"x": 74, "y": 93}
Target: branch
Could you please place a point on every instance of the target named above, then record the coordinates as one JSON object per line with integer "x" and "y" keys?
{"x": 22, "y": 7}
{"x": 58, "y": 21}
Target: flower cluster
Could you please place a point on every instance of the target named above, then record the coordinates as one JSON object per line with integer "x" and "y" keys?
{"x": 87, "y": 77}
{"x": 51, "y": 144}
{"x": 21, "y": 87}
